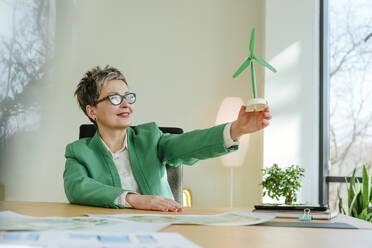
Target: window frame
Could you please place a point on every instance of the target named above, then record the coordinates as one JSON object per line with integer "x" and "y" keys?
{"x": 324, "y": 105}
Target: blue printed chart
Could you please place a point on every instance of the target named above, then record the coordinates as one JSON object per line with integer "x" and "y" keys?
{"x": 94, "y": 239}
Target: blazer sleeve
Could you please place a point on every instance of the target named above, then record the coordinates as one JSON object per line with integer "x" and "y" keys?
{"x": 81, "y": 189}
{"x": 188, "y": 148}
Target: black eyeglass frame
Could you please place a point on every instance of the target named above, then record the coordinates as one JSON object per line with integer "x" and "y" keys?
{"x": 122, "y": 98}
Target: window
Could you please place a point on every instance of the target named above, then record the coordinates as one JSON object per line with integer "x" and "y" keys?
{"x": 346, "y": 104}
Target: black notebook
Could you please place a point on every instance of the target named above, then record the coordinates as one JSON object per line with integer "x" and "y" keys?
{"x": 275, "y": 207}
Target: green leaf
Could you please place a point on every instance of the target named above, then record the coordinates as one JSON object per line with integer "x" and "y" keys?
{"x": 366, "y": 188}
{"x": 363, "y": 214}
{"x": 340, "y": 203}
{"x": 352, "y": 208}
{"x": 351, "y": 189}
{"x": 369, "y": 217}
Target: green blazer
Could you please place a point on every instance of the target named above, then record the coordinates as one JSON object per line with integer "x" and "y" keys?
{"x": 91, "y": 177}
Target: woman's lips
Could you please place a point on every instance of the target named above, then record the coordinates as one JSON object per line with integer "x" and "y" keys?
{"x": 124, "y": 115}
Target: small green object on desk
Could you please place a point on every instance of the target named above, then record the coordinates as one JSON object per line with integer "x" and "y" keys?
{"x": 307, "y": 216}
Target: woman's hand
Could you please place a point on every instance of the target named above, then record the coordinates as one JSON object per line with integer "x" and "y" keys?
{"x": 153, "y": 202}
{"x": 249, "y": 122}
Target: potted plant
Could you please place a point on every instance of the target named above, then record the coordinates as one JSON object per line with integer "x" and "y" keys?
{"x": 279, "y": 182}
{"x": 359, "y": 196}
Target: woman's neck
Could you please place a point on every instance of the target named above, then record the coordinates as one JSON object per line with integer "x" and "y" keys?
{"x": 113, "y": 138}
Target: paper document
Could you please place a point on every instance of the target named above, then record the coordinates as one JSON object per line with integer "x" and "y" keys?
{"x": 13, "y": 221}
{"x": 232, "y": 218}
{"x": 93, "y": 239}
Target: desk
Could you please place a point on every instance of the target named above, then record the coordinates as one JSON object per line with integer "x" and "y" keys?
{"x": 218, "y": 236}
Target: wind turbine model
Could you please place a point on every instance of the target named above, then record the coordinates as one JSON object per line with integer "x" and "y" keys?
{"x": 254, "y": 104}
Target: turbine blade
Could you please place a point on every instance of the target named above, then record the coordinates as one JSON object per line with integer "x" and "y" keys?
{"x": 264, "y": 63}
{"x": 252, "y": 41}
{"x": 242, "y": 67}
{"x": 253, "y": 74}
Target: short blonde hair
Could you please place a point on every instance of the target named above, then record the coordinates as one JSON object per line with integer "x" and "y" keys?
{"x": 89, "y": 87}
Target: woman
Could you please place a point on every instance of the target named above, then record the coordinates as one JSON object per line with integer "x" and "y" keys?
{"x": 122, "y": 167}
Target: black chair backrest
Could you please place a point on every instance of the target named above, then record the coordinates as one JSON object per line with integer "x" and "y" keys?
{"x": 88, "y": 130}
{"x": 174, "y": 174}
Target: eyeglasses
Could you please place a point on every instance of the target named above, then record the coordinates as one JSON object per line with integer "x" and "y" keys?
{"x": 117, "y": 99}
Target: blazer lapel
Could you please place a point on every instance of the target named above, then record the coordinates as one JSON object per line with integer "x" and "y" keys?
{"x": 134, "y": 163}
{"x": 97, "y": 146}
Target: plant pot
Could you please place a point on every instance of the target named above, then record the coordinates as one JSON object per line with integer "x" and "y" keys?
{"x": 288, "y": 200}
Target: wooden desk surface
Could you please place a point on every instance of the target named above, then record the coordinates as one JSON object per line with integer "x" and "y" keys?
{"x": 218, "y": 236}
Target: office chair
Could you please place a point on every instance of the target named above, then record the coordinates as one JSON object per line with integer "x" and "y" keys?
{"x": 174, "y": 174}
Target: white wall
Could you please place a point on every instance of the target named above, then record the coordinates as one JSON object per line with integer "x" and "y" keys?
{"x": 178, "y": 56}
{"x": 291, "y": 45}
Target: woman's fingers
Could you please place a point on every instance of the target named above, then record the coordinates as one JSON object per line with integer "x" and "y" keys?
{"x": 265, "y": 123}
{"x": 173, "y": 203}
{"x": 164, "y": 204}
{"x": 174, "y": 206}
{"x": 267, "y": 115}
{"x": 153, "y": 202}
{"x": 161, "y": 206}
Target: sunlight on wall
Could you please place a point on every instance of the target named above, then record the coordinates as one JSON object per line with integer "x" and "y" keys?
{"x": 286, "y": 59}
{"x": 286, "y": 83}
{"x": 284, "y": 144}
{"x": 285, "y": 87}
{"x": 293, "y": 92}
